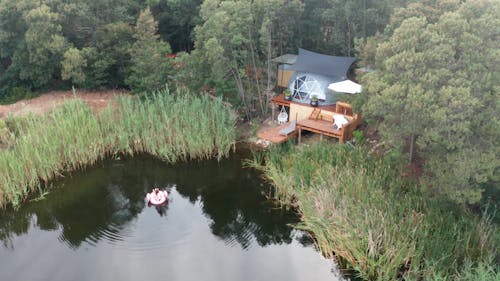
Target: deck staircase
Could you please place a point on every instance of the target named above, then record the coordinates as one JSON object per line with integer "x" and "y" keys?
{"x": 315, "y": 114}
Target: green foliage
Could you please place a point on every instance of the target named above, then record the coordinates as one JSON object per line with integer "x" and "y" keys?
{"x": 150, "y": 66}
{"x": 331, "y": 26}
{"x": 72, "y": 66}
{"x": 482, "y": 271}
{"x": 358, "y": 136}
{"x": 171, "y": 126}
{"x": 376, "y": 222}
{"x": 357, "y": 101}
{"x": 42, "y": 48}
{"x": 436, "y": 84}
{"x": 432, "y": 10}
{"x": 13, "y": 94}
{"x": 39, "y": 41}
{"x": 177, "y": 20}
{"x": 109, "y": 56}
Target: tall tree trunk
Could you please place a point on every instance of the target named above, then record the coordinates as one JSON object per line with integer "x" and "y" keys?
{"x": 364, "y": 22}
{"x": 280, "y": 41}
{"x": 412, "y": 140}
{"x": 255, "y": 72}
{"x": 241, "y": 90}
{"x": 269, "y": 56}
{"x": 349, "y": 37}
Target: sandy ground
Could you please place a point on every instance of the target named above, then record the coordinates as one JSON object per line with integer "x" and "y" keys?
{"x": 97, "y": 100}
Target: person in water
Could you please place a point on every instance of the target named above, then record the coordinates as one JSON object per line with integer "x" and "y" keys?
{"x": 156, "y": 194}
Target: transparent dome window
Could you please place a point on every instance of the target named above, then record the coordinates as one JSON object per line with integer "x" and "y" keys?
{"x": 304, "y": 86}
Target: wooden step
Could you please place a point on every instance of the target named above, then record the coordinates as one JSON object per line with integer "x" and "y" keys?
{"x": 315, "y": 114}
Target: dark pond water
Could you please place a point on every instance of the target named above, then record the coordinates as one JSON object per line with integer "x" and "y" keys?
{"x": 218, "y": 225}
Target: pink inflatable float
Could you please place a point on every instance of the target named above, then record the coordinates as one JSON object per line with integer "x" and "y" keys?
{"x": 157, "y": 197}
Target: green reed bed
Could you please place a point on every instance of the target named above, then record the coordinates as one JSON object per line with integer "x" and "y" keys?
{"x": 171, "y": 126}
{"x": 361, "y": 210}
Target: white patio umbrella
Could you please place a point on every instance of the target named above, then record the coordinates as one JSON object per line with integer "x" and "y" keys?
{"x": 346, "y": 86}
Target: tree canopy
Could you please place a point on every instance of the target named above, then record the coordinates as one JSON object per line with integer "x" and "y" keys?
{"x": 55, "y": 44}
{"x": 436, "y": 84}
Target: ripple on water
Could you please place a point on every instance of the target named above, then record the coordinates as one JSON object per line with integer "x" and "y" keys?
{"x": 149, "y": 232}
{"x": 217, "y": 226}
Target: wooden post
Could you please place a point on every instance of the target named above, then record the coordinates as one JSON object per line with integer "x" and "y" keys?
{"x": 412, "y": 139}
{"x": 321, "y": 137}
{"x": 300, "y": 134}
{"x": 273, "y": 108}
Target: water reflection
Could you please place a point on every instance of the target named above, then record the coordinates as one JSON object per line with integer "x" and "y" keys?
{"x": 103, "y": 201}
{"x": 217, "y": 226}
{"x": 161, "y": 209}
{"x": 238, "y": 209}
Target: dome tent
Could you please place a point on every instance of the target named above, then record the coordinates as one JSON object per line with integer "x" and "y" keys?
{"x": 314, "y": 72}
{"x": 304, "y": 85}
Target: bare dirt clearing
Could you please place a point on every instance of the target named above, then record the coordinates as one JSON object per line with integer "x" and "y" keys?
{"x": 97, "y": 100}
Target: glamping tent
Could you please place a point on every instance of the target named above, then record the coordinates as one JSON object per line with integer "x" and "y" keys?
{"x": 285, "y": 71}
{"x": 304, "y": 85}
{"x": 314, "y": 72}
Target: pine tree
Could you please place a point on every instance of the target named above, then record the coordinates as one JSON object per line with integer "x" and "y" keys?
{"x": 150, "y": 66}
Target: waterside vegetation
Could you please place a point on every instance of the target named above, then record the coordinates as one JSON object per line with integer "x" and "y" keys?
{"x": 171, "y": 126}
{"x": 377, "y": 223}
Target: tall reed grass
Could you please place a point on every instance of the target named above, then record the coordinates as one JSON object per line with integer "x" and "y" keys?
{"x": 171, "y": 126}
{"x": 374, "y": 221}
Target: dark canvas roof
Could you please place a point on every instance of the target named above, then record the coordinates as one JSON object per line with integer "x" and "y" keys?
{"x": 285, "y": 59}
{"x": 331, "y": 66}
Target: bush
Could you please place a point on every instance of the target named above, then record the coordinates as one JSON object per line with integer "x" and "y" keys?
{"x": 15, "y": 94}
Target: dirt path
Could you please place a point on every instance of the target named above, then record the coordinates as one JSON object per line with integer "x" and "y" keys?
{"x": 97, "y": 100}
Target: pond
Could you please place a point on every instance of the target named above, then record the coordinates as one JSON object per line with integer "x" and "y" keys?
{"x": 218, "y": 225}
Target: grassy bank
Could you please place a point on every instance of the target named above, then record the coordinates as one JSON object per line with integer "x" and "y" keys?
{"x": 180, "y": 126}
{"x": 377, "y": 223}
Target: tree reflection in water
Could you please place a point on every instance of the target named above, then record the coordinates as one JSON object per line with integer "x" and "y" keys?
{"x": 102, "y": 201}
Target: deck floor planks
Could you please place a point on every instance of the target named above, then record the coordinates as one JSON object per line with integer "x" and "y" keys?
{"x": 272, "y": 134}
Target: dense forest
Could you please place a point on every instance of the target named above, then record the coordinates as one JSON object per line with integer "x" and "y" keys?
{"x": 117, "y": 44}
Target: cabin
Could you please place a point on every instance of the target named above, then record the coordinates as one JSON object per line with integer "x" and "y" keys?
{"x": 312, "y": 88}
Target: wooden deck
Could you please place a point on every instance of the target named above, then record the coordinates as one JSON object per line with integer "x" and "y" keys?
{"x": 325, "y": 127}
{"x": 322, "y": 127}
{"x": 319, "y": 120}
{"x": 272, "y": 134}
